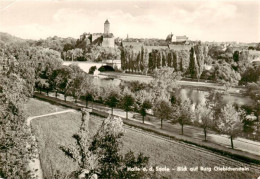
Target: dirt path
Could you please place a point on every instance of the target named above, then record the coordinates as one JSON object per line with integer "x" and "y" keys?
{"x": 35, "y": 164}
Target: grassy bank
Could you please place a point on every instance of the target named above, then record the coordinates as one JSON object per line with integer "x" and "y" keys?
{"x": 36, "y": 107}
{"x": 53, "y": 131}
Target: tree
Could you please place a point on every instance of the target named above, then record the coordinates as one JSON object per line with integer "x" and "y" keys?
{"x": 54, "y": 81}
{"x": 162, "y": 109}
{"x": 201, "y": 54}
{"x": 254, "y": 93}
{"x": 92, "y": 69}
{"x": 145, "y": 106}
{"x": 133, "y": 86}
{"x": 230, "y": 122}
{"x": 183, "y": 113}
{"x": 106, "y": 145}
{"x": 253, "y": 90}
{"x": 75, "y": 54}
{"x": 224, "y": 74}
{"x": 16, "y": 144}
{"x": 112, "y": 97}
{"x": 127, "y": 102}
{"x": 249, "y": 118}
{"x": 143, "y": 102}
{"x": 63, "y": 80}
{"x": 100, "y": 154}
{"x": 215, "y": 101}
{"x": 251, "y": 74}
{"x": 164, "y": 82}
{"x": 198, "y": 54}
{"x": 205, "y": 118}
{"x": 88, "y": 89}
{"x": 193, "y": 67}
{"x": 76, "y": 85}
{"x": 184, "y": 59}
{"x": 79, "y": 152}
{"x": 42, "y": 84}
{"x": 112, "y": 100}
{"x": 258, "y": 46}
{"x": 236, "y": 56}
{"x": 215, "y": 51}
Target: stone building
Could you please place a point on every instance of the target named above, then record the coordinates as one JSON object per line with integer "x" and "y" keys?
{"x": 105, "y": 39}
{"x": 174, "y": 38}
{"x": 106, "y": 27}
{"x": 108, "y": 38}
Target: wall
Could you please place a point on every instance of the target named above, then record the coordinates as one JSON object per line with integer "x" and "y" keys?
{"x": 108, "y": 42}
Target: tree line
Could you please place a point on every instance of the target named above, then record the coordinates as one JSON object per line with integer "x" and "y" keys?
{"x": 223, "y": 66}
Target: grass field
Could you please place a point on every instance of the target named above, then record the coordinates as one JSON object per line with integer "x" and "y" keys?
{"x": 35, "y": 107}
{"x": 53, "y": 131}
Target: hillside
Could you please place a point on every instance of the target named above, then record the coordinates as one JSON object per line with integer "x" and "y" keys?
{"x": 7, "y": 38}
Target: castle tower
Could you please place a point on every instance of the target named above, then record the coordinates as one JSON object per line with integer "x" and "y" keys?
{"x": 106, "y": 27}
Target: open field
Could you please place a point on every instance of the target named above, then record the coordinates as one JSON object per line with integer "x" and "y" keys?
{"x": 53, "y": 131}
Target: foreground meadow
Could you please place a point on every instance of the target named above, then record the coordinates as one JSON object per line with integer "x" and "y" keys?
{"x": 56, "y": 130}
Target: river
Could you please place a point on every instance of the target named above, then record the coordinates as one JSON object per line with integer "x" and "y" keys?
{"x": 196, "y": 96}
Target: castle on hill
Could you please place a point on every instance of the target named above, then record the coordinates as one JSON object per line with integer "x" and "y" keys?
{"x": 105, "y": 39}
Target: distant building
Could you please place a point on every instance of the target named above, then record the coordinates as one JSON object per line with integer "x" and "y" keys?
{"x": 172, "y": 38}
{"x": 108, "y": 38}
{"x": 105, "y": 39}
{"x": 106, "y": 27}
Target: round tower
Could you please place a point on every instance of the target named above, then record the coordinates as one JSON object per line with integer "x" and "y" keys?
{"x": 106, "y": 27}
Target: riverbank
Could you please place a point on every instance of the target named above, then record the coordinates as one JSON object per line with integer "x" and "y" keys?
{"x": 185, "y": 82}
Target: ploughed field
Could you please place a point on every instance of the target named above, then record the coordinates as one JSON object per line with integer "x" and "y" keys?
{"x": 56, "y": 130}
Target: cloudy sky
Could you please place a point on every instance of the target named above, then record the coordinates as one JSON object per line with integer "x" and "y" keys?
{"x": 206, "y": 20}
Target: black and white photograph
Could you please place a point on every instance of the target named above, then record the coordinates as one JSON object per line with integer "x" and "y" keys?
{"x": 129, "y": 89}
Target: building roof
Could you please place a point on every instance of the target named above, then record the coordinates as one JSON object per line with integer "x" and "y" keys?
{"x": 106, "y": 22}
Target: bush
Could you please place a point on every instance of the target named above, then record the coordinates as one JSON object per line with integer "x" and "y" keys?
{"x": 92, "y": 69}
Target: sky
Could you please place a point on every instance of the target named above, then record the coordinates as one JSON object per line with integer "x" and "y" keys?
{"x": 205, "y": 20}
